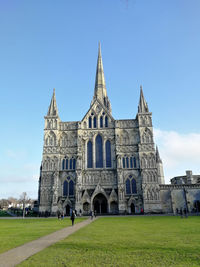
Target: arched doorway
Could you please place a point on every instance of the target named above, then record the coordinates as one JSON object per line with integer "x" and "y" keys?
{"x": 100, "y": 204}
{"x": 132, "y": 208}
{"x": 67, "y": 210}
{"x": 86, "y": 208}
{"x": 197, "y": 206}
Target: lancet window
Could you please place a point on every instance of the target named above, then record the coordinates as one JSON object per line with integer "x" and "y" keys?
{"x": 102, "y": 153}
{"x": 95, "y": 122}
{"x": 101, "y": 122}
{"x": 129, "y": 162}
{"x": 106, "y": 121}
{"x": 99, "y": 152}
{"x": 131, "y": 187}
{"x": 90, "y": 122}
{"x": 69, "y": 164}
{"x": 68, "y": 187}
{"x": 108, "y": 154}
{"x": 89, "y": 155}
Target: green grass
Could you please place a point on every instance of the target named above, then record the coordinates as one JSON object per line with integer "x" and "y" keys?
{"x": 15, "y": 232}
{"x": 127, "y": 241}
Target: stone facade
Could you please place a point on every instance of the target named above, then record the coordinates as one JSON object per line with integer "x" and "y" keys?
{"x": 183, "y": 192}
{"x": 99, "y": 163}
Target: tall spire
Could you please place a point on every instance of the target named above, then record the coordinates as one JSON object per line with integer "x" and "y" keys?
{"x": 143, "y": 107}
{"x": 100, "y": 91}
{"x": 100, "y": 85}
{"x": 158, "y": 159}
{"x": 53, "y": 110}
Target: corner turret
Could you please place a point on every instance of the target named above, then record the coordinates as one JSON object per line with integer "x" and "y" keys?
{"x": 142, "y": 107}
{"x": 53, "y": 110}
{"x": 52, "y": 118}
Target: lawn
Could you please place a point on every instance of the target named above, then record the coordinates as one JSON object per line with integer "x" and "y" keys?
{"x": 127, "y": 241}
{"x": 15, "y": 232}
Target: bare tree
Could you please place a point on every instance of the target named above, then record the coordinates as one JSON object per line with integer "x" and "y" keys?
{"x": 24, "y": 200}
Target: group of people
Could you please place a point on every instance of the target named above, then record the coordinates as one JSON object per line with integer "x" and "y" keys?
{"x": 183, "y": 212}
{"x": 60, "y": 215}
{"x": 73, "y": 214}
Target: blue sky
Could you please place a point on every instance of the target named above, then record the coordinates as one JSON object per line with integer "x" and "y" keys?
{"x": 47, "y": 44}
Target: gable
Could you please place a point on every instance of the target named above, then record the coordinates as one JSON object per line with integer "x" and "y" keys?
{"x": 98, "y": 111}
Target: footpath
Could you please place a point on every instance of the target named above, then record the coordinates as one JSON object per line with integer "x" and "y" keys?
{"x": 16, "y": 255}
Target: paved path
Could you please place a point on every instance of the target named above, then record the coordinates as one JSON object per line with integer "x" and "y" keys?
{"x": 14, "y": 256}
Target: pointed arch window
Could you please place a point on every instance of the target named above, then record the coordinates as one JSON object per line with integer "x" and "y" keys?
{"x": 101, "y": 122}
{"x": 123, "y": 162}
{"x": 71, "y": 188}
{"x": 63, "y": 164}
{"x": 95, "y": 122}
{"x": 128, "y": 187}
{"x": 131, "y": 187}
{"x": 70, "y": 164}
{"x": 68, "y": 187}
{"x": 89, "y": 155}
{"x": 65, "y": 188}
{"x": 90, "y": 122}
{"x": 134, "y": 161}
{"x": 66, "y": 166}
{"x": 108, "y": 154}
{"x": 131, "y": 162}
{"x": 74, "y": 164}
{"x": 99, "y": 152}
{"x": 106, "y": 121}
{"x": 127, "y": 162}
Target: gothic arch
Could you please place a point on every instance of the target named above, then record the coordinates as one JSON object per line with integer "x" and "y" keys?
{"x": 64, "y": 140}
{"x": 86, "y": 198}
{"x": 130, "y": 185}
{"x": 67, "y": 202}
{"x": 68, "y": 186}
{"x": 50, "y": 139}
{"x": 98, "y": 190}
{"x": 147, "y": 136}
{"x": 131, "y": 200}
{"x": 151, "y": 160}
{"x": 113, "y": 196}
{"x": 144, "y": 161}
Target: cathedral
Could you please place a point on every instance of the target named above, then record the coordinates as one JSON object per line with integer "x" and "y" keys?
{"x": 100, "y": 163}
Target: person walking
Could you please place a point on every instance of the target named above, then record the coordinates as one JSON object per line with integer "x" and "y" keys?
{"x": 73, "y": 217}
{"x": 185, "y": 212}
{"x": 177, "y": 211}
{"x": 58, "y": 214}
{"x": 181, "y": 212}
{"x": 91, "y": 214}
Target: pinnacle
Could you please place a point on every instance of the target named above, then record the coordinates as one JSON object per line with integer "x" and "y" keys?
{"x": 53, "y": 110}
{"x": 143, "y": 107}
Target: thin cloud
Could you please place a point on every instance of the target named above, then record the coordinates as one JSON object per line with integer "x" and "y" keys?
{"x": 179, "y": 152}
{"x": 11, "y": 154}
